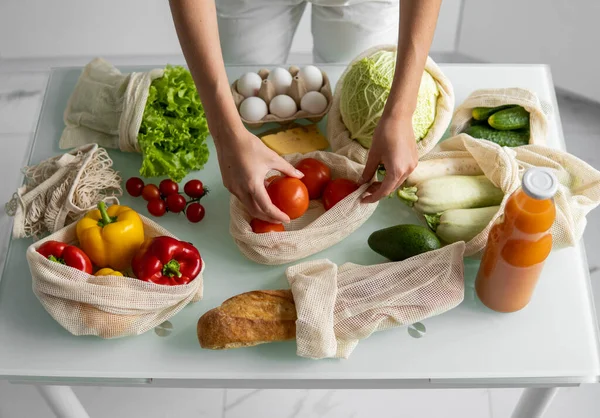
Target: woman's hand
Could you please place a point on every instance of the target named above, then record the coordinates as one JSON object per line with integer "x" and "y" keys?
{"x": 244, "y": 162}
{"x": 393, "y": 146}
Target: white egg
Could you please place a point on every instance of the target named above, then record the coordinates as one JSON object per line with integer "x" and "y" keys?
{"x": 253, "y": 109}
{"x": 249, "y": 84}
{"x": 313, "y": 102}
{"x": 283, "y": 106}
{"x": 281, "y": 79}
{"x": 312, "y": 77}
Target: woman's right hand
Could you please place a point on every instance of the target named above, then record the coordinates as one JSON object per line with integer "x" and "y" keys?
{"x": 244, "y": 162}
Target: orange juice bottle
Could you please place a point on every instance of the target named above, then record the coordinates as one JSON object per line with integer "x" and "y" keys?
{"x": 518, "y": 244}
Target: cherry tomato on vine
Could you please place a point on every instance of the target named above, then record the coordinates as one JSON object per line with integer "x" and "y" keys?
{"x": 260, "y": 227}
{"x": 157, "y": 207}
{"x": 168, "y": 187}
{"x": 195, "y": 212}
{"x": 175, "y": 203}
{"x": 150, "y": 192}
{"x": 134, "y": 186}
{"x": 194, "y": 189}
{"x": 337, "y": 190}
{"x": 316, "y": 176}
{"x": 290, "y": 195}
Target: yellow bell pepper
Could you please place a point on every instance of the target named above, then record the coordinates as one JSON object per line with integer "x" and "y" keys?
{"x": 107, "y": 271}
{"x": 111, "y": 237}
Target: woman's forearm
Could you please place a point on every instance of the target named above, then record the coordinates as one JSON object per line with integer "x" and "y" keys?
{"x": 418, "y": 19}
{"x": 197, "y": 30}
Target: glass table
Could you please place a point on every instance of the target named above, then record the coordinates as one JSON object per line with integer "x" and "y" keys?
{"x": 553, "y": 342}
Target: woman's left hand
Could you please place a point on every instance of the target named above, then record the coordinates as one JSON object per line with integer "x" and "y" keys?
{"x": 393, "y": 146}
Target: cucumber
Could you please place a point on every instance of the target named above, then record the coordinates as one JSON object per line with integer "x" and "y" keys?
{"x": 400, "y": 242}
{"x": 502, "y": 138}
{"x": 461, "y": 224}
{"x": 440, "y": 194}
{"x": 482, "y": 113}
{"x": 510, "y": 119}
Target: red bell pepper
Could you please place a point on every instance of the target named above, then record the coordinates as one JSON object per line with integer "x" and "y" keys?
{"x": 69, "y": 255}
{"x": 167, "y": 261}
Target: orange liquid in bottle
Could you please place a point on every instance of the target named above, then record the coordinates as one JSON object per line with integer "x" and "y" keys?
{"x": 514, "y": 257}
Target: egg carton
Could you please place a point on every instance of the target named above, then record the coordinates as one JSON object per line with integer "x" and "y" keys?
{"x": 296, "y": 91}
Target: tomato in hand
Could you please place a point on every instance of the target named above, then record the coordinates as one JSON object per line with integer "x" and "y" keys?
{"x": 150, "y": 192}
{"x": 260, "y": 227}
{"x": 337, "y": 190}
{"x": 290, "y": 195}
{"x": 316, "y": 176}
{"x": 270, "y": 179}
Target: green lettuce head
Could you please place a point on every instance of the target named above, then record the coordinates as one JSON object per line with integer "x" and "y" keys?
{"x": 365, "y": 90}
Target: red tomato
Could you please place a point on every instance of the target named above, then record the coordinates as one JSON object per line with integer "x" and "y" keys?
{"x": 260, "y": 227}
{"x": 337, "y": 190}
{"x": 168, "y": 187}
{"x": 289, "y": 195}
{"x": 316, "y": 176}
{"x": 270, "y": 179}
{"x": 150, "y": 192}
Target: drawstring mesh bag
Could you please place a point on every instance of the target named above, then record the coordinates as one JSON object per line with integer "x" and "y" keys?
{"x": 578, "y": 191}
{"x": 430, "y": 120}
{"x": 314, "y": 231}
{"x": 61, "y": 189}
{"x": 539, "y": 111}
{"x": 105, "y": 306}
{"x": 339, "y": 306}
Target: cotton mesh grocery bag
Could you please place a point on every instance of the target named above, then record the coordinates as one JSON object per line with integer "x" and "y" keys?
{"x": 105, "y": 306}
{"x": 539, "y": 111}
{"x": 60, "y": 189}
{"x": 578, "y": 192}
{"x": 339, "y": 306}
{"x": 345, "y": 143}
{"x": 314, "y": 231}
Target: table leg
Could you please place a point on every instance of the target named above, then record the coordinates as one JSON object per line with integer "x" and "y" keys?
{"x": 62, "y": 401}
{"x": 534, "y": 402}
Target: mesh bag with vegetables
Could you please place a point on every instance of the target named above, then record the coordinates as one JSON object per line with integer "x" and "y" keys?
{"x": 508, "y": 117}
{"x": 339, "y": 306}
{"x": 156, "y": 113}
{"x": 108, "y": 304}
{"x": 461, "y": 189}
{"x": 362, "y": 92}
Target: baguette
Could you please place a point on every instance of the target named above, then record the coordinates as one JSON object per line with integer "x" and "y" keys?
{"x": 248, "y": 319}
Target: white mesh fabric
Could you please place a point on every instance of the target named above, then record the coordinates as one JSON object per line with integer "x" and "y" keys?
{"x": 106, "y": 306}
{"x": 338, "y": 307}
{"x": 106, "y": 107}
{"x": 316, "y": 230}
{"x": 340, "y": 138}
{"x": 578, "y": 192}
{"x": 539, "y": 111}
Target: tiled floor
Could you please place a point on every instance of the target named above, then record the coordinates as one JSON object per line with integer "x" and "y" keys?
{"x": 20, "y": 96}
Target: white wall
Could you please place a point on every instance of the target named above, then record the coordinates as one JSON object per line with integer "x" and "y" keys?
{"x": 561, "y": 33}
{"x": 67, "y": 28}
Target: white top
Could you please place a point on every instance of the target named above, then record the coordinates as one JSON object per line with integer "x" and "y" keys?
{"x": 553, "y": 340}
{"x": 540, "y": 183}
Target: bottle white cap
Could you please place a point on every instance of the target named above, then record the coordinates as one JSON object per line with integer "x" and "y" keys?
{"x": 540, "y": 183}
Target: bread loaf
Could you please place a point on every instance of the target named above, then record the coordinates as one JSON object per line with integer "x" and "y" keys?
{"x": 248, "y": 319}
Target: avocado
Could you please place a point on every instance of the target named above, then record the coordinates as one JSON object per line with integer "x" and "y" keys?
{"x": 400, "y": 242}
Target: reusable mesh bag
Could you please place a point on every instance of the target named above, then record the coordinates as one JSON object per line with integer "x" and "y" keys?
{"x": 539, "y": 111}
{"x": 107, "y": 107}
{"x": 59, "y": 190}
{"x": 316, "y": 230}
{"x": 339, "y": 306}
{"x": 106, "y": 306}
{"x": 340, "y": 137}
{"x": 578, "y": 191}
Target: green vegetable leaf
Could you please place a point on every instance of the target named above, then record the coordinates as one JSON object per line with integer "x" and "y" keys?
{"x": 173, "y": 131}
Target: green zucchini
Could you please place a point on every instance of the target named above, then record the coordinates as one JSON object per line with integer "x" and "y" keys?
{"x": 440, "y": 194}
{"x": 502, "y": 138}
{"x": 510, "y": 119}
{"x": 461, "y": 224}
{"x": 483, "y": 113}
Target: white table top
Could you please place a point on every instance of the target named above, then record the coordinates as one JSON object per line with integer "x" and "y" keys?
{"x": 552, "y": 341}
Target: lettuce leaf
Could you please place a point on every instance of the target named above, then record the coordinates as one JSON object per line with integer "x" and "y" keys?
{"x": 173, "y": 131}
